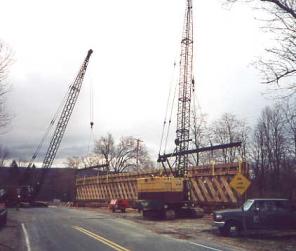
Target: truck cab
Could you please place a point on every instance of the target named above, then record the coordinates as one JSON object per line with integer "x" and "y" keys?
{"x": 256, "y": 214}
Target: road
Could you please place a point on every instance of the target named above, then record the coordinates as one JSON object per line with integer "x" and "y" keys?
{"x": 73, "y": 229}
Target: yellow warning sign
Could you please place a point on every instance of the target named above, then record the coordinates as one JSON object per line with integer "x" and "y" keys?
{"x": 240, "y": 183}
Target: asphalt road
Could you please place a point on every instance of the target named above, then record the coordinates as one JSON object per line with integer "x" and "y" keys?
{"x": 71, "y": 229}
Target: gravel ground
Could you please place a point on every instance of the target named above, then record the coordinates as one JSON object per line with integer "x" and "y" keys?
{"x": 202, "y": 230}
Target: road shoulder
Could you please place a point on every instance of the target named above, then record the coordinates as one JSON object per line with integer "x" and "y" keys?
{"x": 11, "y": 236}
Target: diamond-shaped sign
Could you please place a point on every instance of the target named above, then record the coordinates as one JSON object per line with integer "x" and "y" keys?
{"x": 240, "y": 183}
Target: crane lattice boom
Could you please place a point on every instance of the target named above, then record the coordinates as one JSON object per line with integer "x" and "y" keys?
{"x": 185, "y": 92}
{"x": 65, "y": 115}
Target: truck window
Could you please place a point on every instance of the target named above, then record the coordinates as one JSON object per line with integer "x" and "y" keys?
{"x": 282, "y": 205}
{"x": 266, "y": 206}
{"x": 248, "y": 204}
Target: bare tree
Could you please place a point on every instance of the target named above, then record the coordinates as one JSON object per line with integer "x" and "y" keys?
{"x": 289, "y": 110}
{"x": 4, "y": 154}
{"x": 273, "y": 150}
{"x": 259, "y": 156}
{"x": 229, "y": 129}
{"x": 105, "y": 148}
{"x": 78, "y": 162}
{"x": 270, "y": 148}
{"x": 13, "y": 164}
{"x": 279, "y": 64}
{"x": 288, "y": 169}
{"x": 92, "y": 160}
{"x": 200, "y": 137}
{"x": 74, "y": 162}
{"x": 5, "y": 62}
{"x": 124, "y": 155}
{"x": 22, "y": 162}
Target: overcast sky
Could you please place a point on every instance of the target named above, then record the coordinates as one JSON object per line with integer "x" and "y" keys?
{"x": 135, "y": 45}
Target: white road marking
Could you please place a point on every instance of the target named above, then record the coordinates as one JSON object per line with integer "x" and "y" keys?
{"x": 26, "y": 237}
{"x": 204, "y": 246}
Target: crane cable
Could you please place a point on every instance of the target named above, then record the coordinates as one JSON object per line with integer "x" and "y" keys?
{"x": 166, "y": 128}
{"x": 173, "y": 81}
{"x": 91, "y": 117}
{"x": 194, "y": 108}
{"x": 196, "y": 104}
{"x": 170, "y": 119}
{"x": 166, "y": 110}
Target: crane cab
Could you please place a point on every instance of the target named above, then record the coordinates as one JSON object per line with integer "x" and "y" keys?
{"x": 162, "y": 196}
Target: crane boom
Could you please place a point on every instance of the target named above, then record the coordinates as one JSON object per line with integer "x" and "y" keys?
{"x": 66, "y": 114}
{"x": 186, "y": 83}
{"x": 171, "y": 195}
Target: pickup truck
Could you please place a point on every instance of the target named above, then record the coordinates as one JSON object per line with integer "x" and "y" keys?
{"x": 118, "y": 204}
{"x": 256, "y": 214}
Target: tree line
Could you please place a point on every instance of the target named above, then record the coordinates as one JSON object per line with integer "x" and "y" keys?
{"x": 269, "y": 146}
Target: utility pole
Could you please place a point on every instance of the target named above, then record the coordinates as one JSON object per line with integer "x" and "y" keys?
{"x": 186, "y": 84}
{"x": 137, "y": 151}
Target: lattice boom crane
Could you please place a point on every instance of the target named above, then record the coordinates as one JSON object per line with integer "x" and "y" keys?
{"x": 169, "y": 196}
{"x": 66, "y": 114}
{"x": 186, "y": 83}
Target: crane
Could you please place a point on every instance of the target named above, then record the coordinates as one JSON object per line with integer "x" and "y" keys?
{"x": 68, "y": 106}
{"x": 186, "y": 87}
{"x": 171, "y": 195}
{"x": 186, "y": 83}
{"x": 64, "y": 117}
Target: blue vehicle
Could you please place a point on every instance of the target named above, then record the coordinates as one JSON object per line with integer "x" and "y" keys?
{"x": 256, "y": 214}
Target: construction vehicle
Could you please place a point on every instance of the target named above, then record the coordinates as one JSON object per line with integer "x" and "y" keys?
{"x": 162, "y": 196}
{"x": 29, "y": 186}
{"x": 169, "y": 195}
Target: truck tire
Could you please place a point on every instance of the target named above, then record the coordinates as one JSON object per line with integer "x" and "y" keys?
{"x": 225, "y": 231}
{"x": 169, "y": 214}
{"x": 3, "y": 221}
{"x": 146, "y": 214}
